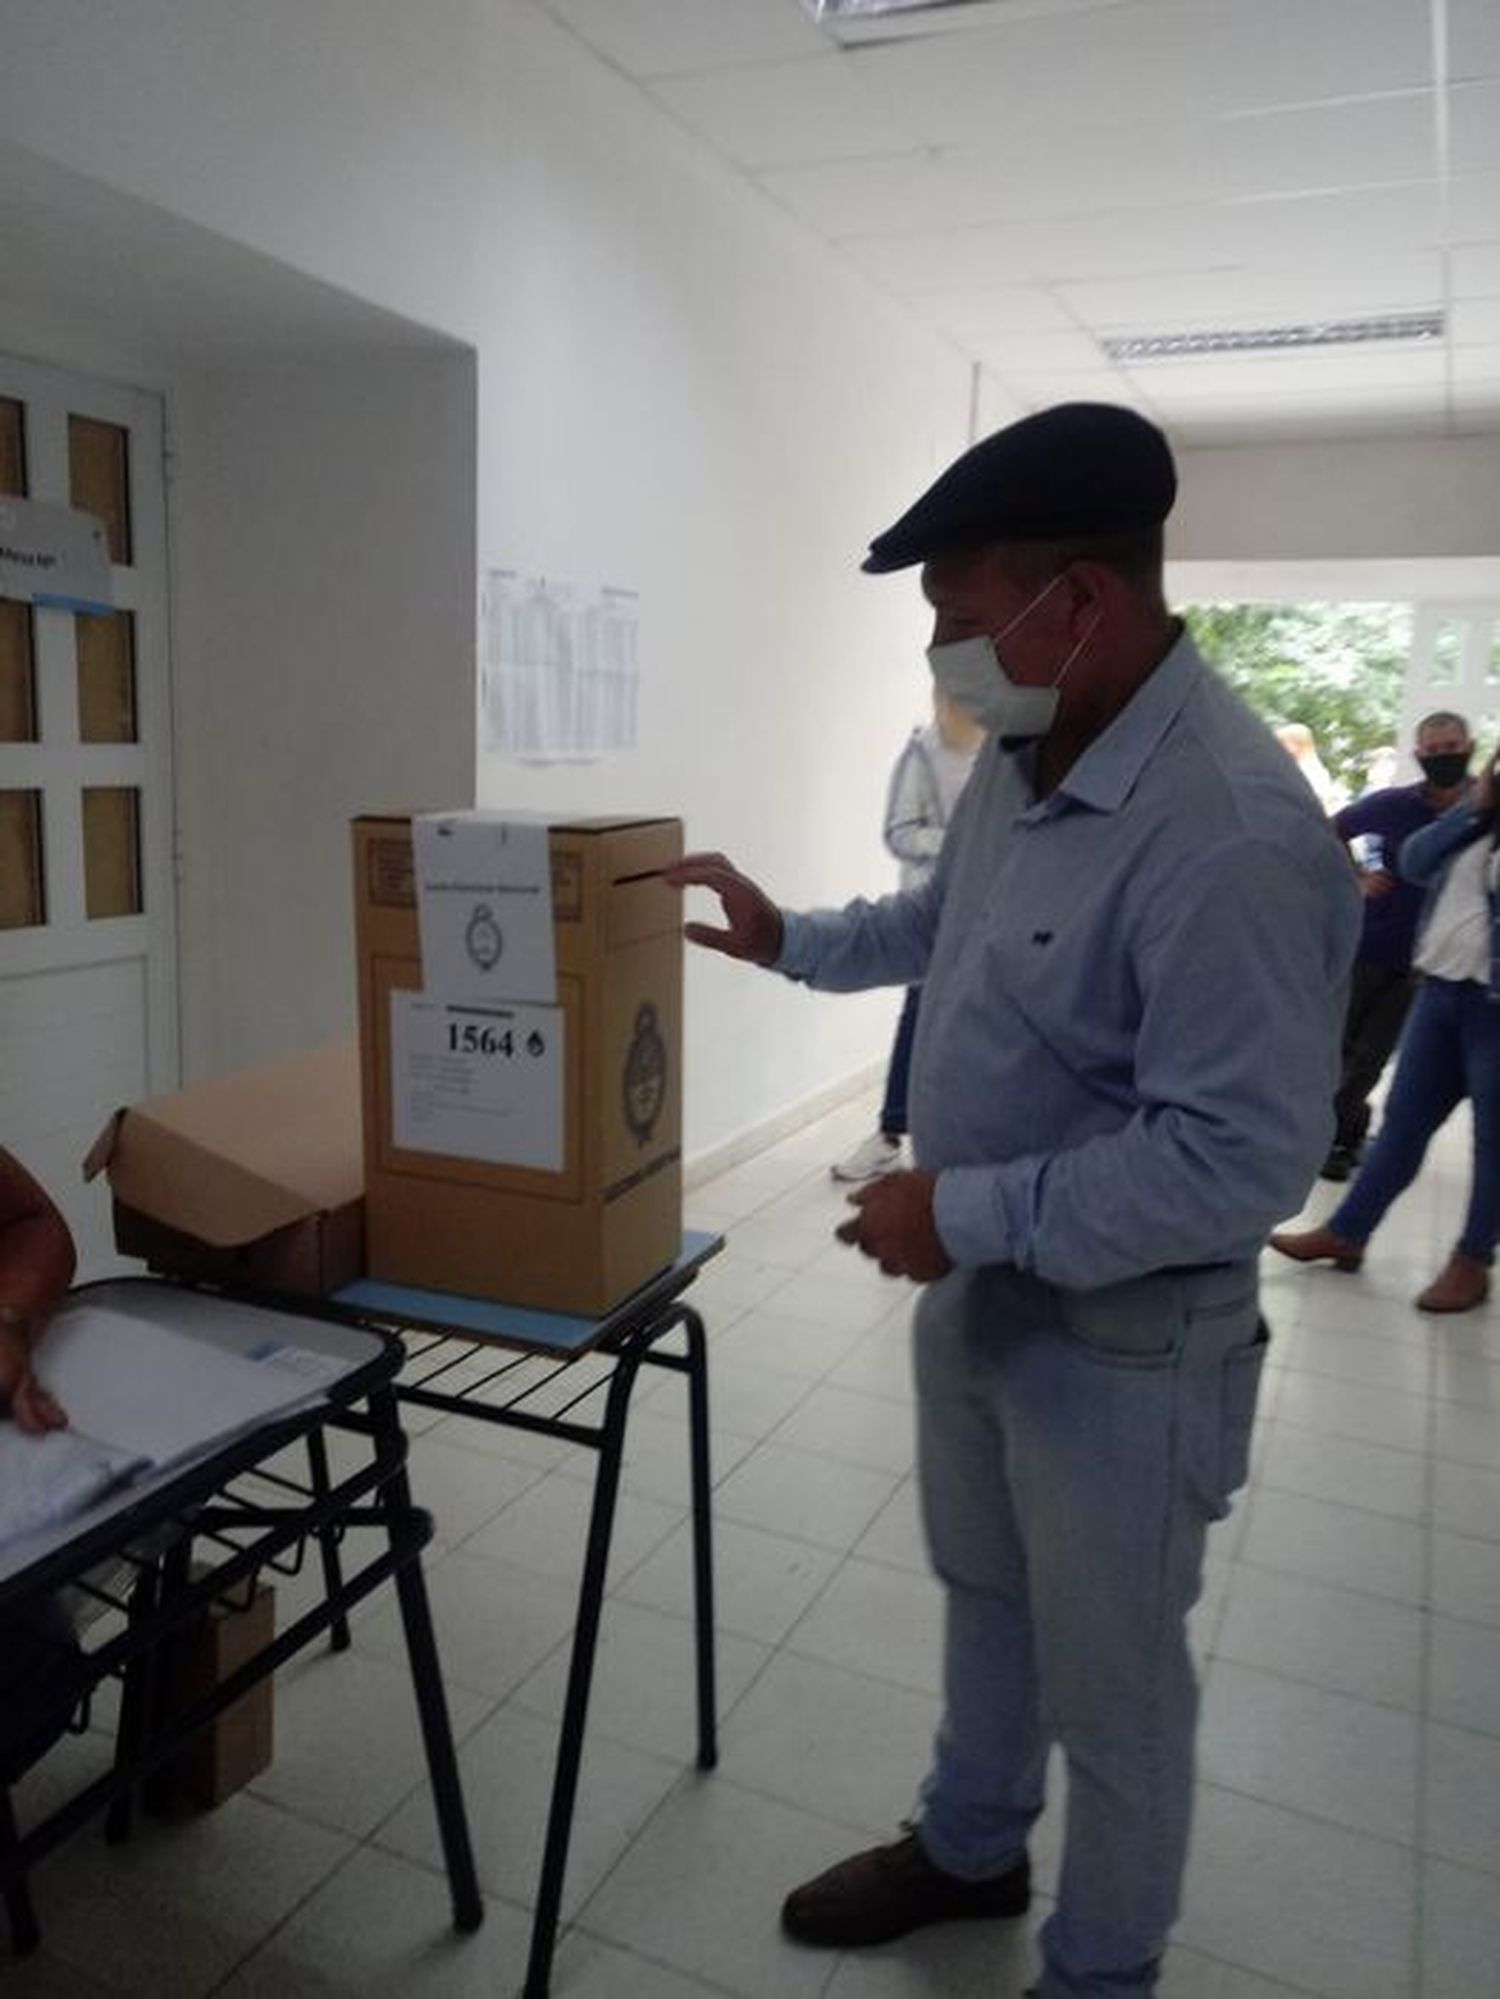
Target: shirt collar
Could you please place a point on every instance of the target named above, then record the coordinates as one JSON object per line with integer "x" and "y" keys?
{"x": 1105, "y": 775}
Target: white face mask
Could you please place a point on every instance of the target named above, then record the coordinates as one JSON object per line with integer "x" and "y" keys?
{"x": 972, "y": 675}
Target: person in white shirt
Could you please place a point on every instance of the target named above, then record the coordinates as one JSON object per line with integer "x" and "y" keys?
{"x": 1450, "y": 1050}
{"x": 1301, "y": 745}
{"x": 928, "y": 778}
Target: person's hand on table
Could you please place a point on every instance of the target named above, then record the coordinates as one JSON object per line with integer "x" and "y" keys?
{"x": 753, "y": 921}
{"x": 22, "y": 1396}
{"x": 895, "y": 1226}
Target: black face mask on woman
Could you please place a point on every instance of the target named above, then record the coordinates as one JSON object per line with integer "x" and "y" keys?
{"x": 1446, "y": 769}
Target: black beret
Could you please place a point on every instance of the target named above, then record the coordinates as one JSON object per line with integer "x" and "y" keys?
{"x": 1076, "y": 469}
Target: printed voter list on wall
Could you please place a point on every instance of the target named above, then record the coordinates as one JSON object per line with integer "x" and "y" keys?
{"x": 484, "y": 907}
{"x": 561, "y": 666}
{"x": 481, "y": 1083}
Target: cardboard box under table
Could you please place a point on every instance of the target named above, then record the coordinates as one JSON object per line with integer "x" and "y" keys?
{"x": 251, "y": 1179}
{"x": 448, "y": 1205}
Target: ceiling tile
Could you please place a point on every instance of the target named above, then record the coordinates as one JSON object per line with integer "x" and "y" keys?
{"x": 1261, "y": 297}
{"x": 982, "y": 310}
{"x": 1473, "y": 38}
{"x": 1476, "y": 270}
{"x": 1474, "y": 111}
{"x": 785, "y": 113}
{"x": 1183, "y": 58}
{"x": 1475, "y": 322}
{"x": 1478, "y": 364}
{"x": 1348, "y": 143}
{"x": 1474, "y": 208}
{"x": 666, "y": 37}
{"x": 865, "y": 197}
{"x": 1039, "y": 353}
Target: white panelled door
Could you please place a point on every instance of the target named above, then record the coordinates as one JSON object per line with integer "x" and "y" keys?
{"x": 88, "y": 966}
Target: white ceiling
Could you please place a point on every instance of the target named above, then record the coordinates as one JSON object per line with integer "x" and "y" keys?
{"x": 1030, "y": 175}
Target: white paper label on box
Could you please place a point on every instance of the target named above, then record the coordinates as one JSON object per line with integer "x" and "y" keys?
{"x": 481, "y": 1083}
{"x": 484, "y": 907}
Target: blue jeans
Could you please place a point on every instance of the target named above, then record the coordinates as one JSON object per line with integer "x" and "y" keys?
{"x": 1450, "y": 1050}
{"x": 1072, "y": 1449}
{"x": 893, "y": 1110}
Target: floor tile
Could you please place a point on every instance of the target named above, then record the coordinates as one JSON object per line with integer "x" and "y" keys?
{"x": 878, "y": 1620}
{"x": 494, "y": 1623}
{"x": 1343, "y": 1545}
{"x": 858, "y": 1429}
{"x": 645, "y": 1683}
{"x": 507, "y": 1769}
{"x": 832, "y": 1742}
{"x": 1464, "y": 1674}
{"x": 546, "y": 1530}
{"x": 730, "y": 1856}
{"x": 1332, "y": 1638}
{"x": 762, "y": 1582}
{"x": 326, "y": 1712}
{"x": 1321, "y": 1908}
{"x": 1460, "y": 1933}
{"x": 215, "y": 1885}
{"x": 798, "y": 1493}
{"x": 1320, "y": 1753}
{"x": 1466, "y": 1577}
{"x": 384, "y": 1927}
{"x": 1463, "y": 1797}
{"x": 1350, "y": 1472}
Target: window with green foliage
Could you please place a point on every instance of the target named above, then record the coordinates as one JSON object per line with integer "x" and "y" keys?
{"x": 1336, "y": 667}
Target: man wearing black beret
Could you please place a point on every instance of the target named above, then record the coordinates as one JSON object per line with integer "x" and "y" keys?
{"x": 1134, "y": 953}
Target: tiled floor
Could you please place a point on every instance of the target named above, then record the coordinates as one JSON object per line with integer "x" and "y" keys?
{"x": 1347, "y": 1840}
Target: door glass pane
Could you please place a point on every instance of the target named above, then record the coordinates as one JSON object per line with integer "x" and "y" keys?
{"x": 106, "y": 678}
{"x": 111, "y": 850}
{"x": 12, "y": 446}
{"x": 1447, "y": 645}
{"x": 17, "y": 674}
{"x": 99, "y": 472}
{"x": 22, "y": 900}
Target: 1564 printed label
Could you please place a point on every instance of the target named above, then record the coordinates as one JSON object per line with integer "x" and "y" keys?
{"x": 482, "y": 1083}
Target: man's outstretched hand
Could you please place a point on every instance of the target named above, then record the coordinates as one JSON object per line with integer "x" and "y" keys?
{"x": 752, "y": 920}
{"x": 895, "y": 1226}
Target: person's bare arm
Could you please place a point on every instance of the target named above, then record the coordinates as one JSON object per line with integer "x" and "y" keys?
{"x": 37, "y": 1261}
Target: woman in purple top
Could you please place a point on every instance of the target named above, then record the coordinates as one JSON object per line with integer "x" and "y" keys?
{"x": 1381, "y": 988}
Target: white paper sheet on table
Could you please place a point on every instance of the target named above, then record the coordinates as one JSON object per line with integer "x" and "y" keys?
{"x": 139, "y": 1397}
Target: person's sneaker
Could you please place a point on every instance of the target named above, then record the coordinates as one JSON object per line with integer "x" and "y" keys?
{"x": 879, "y": 1154}
{"x": 1461, "y": 1284}
{"x": 888, "y": 1891}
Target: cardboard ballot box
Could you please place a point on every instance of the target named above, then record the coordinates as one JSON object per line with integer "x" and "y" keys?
{"x": 253, "y": 1178}
{"x": 520, "y": 1035}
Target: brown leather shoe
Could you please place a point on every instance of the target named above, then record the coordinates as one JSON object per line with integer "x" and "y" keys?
{"x": 1461, "y": 1284}
{"x": 1321, "y": 1246}
{"x": 877, "y": 1896}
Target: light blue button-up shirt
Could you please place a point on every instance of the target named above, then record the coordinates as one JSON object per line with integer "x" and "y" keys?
{"x": 1133, "y": 998}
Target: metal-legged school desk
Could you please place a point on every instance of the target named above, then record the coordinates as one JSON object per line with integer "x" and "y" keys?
{"x": 239, "y": 1515}
{"x": 530, "y": 1371}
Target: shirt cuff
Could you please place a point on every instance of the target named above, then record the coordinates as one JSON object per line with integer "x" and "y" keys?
{"x": 798, "y": 958}
{"x": 969, "y": 1214}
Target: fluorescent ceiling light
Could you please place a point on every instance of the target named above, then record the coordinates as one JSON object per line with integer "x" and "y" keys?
{"x": 1274, "y": 339}
{"x": 837, "y": 10}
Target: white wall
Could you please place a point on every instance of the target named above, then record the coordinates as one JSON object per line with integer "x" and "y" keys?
{"x": 322, "y": 518}
{"x": 677, "y": 390}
